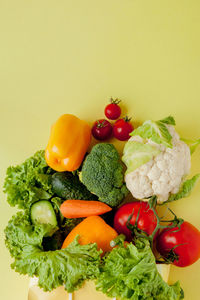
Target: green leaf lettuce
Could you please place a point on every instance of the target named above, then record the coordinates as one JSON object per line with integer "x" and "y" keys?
{"x": 69, "y": 267}
{"x": 126, "y": 272}
{"x": 28, "y": 182}
{"x": 130, "y": 273}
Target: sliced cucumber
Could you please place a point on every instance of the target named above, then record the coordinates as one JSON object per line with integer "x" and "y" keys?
{"x": 42, "y": 212}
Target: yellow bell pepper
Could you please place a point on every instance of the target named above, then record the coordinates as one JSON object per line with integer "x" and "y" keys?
{"x": 69, "y": 140}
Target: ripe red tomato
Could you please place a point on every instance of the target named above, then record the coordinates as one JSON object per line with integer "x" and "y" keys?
{"x": 113, "y": 111}
{"x": 122, "y": 129}
{"x": 185, "y": 243}
{"x": 147, "y": 220}
{"x": 102, "y": 129}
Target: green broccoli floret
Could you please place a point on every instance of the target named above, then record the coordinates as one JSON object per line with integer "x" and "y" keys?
{"x": 102, "y": 174}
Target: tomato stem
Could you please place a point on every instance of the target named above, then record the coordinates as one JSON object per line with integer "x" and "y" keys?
{"x": 137, "y": 232}
{"x": 101, "y": 124}
{"x": 127, "y": 119}
{"x": 115, "y": 101}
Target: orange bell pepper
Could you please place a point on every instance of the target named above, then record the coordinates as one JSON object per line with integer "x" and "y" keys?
{"x": 93, "y": 229}
{"x": 69, "y": 140}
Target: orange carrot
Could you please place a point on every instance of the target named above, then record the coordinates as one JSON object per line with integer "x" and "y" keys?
{"x": 83, "y": 208}
{"x": 92, "y": 230}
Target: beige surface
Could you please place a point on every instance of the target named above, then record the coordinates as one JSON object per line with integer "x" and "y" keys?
{"x": 88, "y": 291}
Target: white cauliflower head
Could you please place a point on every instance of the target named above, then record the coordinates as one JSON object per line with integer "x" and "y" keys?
{"x": 156, "y": 163}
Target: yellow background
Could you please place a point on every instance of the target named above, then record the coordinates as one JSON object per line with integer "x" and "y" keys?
{"x": 69, "y": 57}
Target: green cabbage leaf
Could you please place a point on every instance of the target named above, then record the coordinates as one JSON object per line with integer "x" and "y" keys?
{"x": 136, "y": 154}
{"x": 185, "y": 189}
{"x": 193, "y": 144}
{"x": 157, "y": 131}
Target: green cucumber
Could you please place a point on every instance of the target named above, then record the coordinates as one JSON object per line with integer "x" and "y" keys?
{"x": 67, "y": 185}
{"x": 42, "y": 212}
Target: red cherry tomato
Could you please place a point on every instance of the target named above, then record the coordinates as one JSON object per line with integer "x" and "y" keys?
{"x": 147, "y": 220}
{"x": 184, "y": 242}
{"x": 122, "y": 129}
{"x": 113, "y": 111}
{"x": 102, "y": 130}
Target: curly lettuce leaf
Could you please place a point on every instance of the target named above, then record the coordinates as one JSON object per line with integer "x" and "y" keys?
{"x": 20, "y": 233}
{"x": 130, "y": 273}
{"x": 69, "y": 267}
{"x": 185, "y": 189}
{"x": 28, "y": 182}
{"x": 136, "y": 154}
{"x": 157, "y": 131}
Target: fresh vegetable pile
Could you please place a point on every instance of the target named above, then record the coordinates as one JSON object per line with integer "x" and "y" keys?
{"x": 74, "y": 223}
